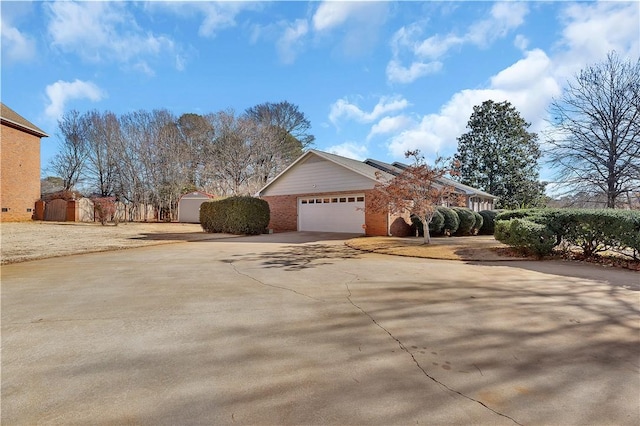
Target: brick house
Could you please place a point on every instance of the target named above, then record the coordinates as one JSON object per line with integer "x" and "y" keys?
{"x": 19, "y": 165}
{"x": 328, "y": 193}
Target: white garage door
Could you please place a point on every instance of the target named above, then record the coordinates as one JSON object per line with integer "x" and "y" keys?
{"x": 333, "y": 213}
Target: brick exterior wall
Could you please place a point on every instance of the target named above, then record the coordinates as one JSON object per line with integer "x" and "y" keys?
{"x": 284, "y": 215}
{"x": 19, "y": 174}
{"x": 284, "y": 212}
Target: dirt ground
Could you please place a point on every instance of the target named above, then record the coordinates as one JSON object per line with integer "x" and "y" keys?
{"x": 24, "y": 241}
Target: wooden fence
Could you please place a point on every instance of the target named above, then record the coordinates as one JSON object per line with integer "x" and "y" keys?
{"x": 83, "y": 210}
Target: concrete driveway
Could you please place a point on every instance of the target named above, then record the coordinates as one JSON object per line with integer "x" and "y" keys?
{"x": 299, "y": 329}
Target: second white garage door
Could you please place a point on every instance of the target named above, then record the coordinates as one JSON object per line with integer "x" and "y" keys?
{"x": 333, "y": 213}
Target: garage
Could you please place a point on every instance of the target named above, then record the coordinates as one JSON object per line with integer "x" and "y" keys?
{"x": 332, "y": 213}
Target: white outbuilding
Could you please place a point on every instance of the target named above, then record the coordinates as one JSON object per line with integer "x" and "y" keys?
{"x": 189, "y": 206}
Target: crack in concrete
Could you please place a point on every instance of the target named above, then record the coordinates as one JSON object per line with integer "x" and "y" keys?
{"x": 405, "y": 349}
{"x": 271, "y": 285}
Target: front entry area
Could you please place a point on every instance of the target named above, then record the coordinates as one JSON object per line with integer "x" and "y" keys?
{"x": 331, "y": 213}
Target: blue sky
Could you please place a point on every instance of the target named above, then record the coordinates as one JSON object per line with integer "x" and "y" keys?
{"x": 373, "y": 78}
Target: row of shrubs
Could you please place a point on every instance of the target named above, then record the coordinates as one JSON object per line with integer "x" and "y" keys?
{"x": 458, "y": 221}
{"x": 539, "y": 231}
{"x": 235, "y": 215}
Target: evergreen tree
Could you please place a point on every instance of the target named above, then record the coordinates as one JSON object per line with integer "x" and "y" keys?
{"x": 499, "y": 156}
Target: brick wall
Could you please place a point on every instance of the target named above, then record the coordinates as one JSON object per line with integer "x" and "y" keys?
{"x": 19, "y": 174}
{"x": 284, "y": 213}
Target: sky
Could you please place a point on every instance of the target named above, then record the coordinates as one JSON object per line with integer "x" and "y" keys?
{"x": 374, "y": 79}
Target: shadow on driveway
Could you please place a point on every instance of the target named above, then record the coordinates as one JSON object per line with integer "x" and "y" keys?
{"x": 614, "y": 276}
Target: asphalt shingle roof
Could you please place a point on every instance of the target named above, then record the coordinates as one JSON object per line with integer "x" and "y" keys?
{"x": 13, "y": 119}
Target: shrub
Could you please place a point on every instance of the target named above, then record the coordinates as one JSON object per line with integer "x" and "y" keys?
{"x": 630, "y": 238}
{"x": 467, "y": 220}
{"x": 488, "y": 221}
{"x": 593, "y": 230}
{"x": 527, "y": 236}
{"x": 435, "y": 226}
{"x": 104, "y": 208}
{"x": 597, "y": 230}
{"x": 478, "y": 224}
{"x": 437, "y": 223}
{"x": 235, "y": 215}
{"x": 451, "y": 220}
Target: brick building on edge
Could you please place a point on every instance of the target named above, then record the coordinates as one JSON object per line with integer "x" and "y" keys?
{"x": 19, "y": 165}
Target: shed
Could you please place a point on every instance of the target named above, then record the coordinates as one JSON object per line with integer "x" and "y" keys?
{"x": 189, "y": 206}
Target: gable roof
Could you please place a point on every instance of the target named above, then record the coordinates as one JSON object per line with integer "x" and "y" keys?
{"x": 397, "y": 168}
{"x": 372, "y": 169}
{"x": 12, "y": 119}
{"x": 355, "y": 166}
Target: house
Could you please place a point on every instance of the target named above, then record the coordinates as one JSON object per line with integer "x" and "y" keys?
{"x": 189, "y": 206}
{"x": 329, "y": 193}
{"x": 19, "y": 165}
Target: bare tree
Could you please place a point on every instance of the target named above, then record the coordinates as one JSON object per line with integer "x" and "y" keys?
{"x": 595, "y": 141}
{"x": 418, "y": 189}
{"x": 230, "y": 156}
{"x": 71, "y": 159}
{"x": 196, "y": 135}
{"x": 103, "y": 132}
{"x": 284, "y": 135}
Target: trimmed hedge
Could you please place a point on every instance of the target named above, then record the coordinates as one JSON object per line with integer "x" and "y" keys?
{"x": 488, "y": 221}
{"x": 235, "y": 215}
{"x": 467, "y": 220}
{"x": 478, "y": 225}
{"x": 593, "y": 230}
{"x": 435, "y": 226}
{"x": 525, "y": 235}
{"x": 451, "y": 220}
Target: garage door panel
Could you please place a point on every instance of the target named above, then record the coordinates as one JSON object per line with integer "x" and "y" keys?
{"x": 332, "y": 213}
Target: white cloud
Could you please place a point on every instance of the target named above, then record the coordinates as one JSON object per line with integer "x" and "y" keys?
{"x": 350, "y": 150}
{"x": 505, "y": 16}
{"x": 593, "y": 30}
{"x": 290, "y": 43}
{"x": 353, "y": 26}
{"x": 424, "y": 54}
{"x": 16, "y": 46}
{"x": 343, "y": 109}
{"x": 331, "y": 14}
{"x": 398, "y": 73}
{"x": 521, "y": 42}
{"x": 437, "y": 45}
{"x": 219, "y": 15}
{"x": 60, "y": 92}
{"x": 389, "y": 125}
{"x": 528, "y": 84}
{"x": 101, "y": 32}
{"x": 533, "y": 67}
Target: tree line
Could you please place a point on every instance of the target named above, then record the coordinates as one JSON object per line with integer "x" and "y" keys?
{"x": 153, "y": 157}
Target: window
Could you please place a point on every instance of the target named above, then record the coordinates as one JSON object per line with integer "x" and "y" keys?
{"x": 360, "y": 199}
{"x": 334, "y": 200}
{"x": 352, "y": 199}
{"x": 318, "y": 200}
{"x": 343, "y": 200}
{"x": 28, "y": 210}
{"x": 327, "y": 200}
{"x": 4, "y": 210}
{"x": 304, "y": 201}
{"x": 312, "y": 201}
